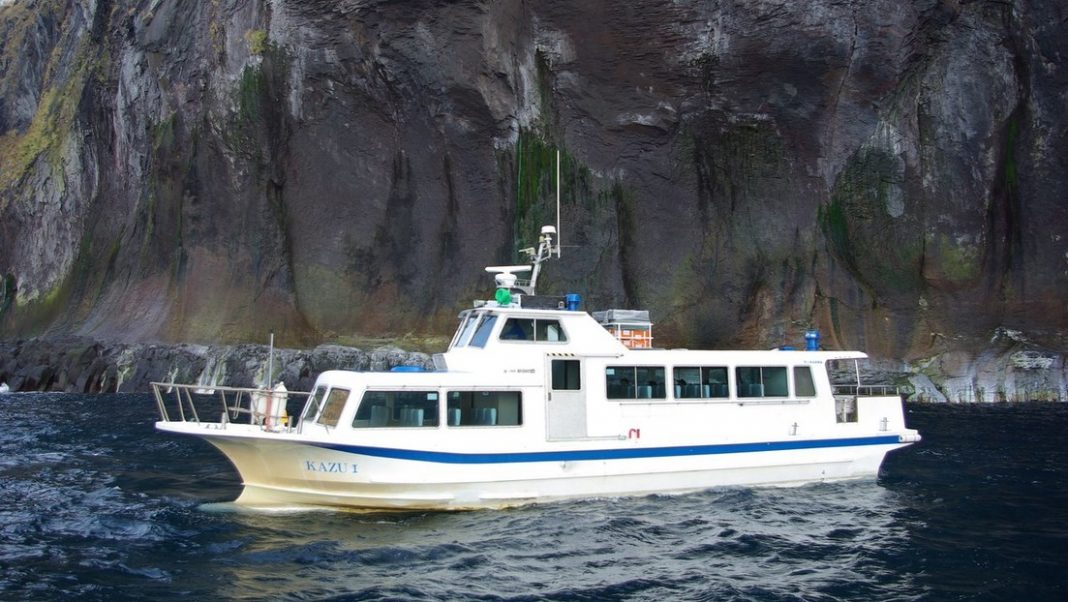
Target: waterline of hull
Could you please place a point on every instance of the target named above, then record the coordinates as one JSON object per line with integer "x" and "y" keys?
{"x": 291, "y": 474}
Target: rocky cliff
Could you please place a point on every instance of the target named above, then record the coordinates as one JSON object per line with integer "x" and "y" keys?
{"x": 81, "y": 365}
{"x": 891, "y": 172}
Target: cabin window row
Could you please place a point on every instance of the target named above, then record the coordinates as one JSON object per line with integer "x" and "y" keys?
{"x": 476, "y": 329}
{"x": 706, "y": 382}
{"x": 420, "y": 408}
{"x": 533, "y": 329}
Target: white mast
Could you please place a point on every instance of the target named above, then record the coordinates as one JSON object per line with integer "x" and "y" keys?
{"x": 270, "y": 362}
{"x": 558, "y": 203}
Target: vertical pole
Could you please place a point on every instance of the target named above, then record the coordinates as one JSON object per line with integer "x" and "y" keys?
{"x": 558, "y": 203}
{"x": 270, "y": 363}
{"x": 518, "y": 192}
{"x": 856, "y": 365}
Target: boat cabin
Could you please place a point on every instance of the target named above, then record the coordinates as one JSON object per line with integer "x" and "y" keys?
{"x": 564, "y": 375}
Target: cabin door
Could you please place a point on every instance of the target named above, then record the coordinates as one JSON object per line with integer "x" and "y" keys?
{"x": 566, "y": 403}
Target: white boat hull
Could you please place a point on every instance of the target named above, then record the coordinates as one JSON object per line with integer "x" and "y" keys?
{"x": 289, "y": 473}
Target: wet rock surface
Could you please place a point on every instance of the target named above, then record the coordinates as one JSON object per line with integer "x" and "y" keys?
{"x": 76, "y": 365}
{"x": 889, "y": 172}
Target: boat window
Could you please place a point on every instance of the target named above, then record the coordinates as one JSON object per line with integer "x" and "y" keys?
{"x": 482, "y": 333}
{"x": 531, "y": 329}
{"x": 463, "y": 333}
{"x": 335, "y": 402}
{"x": 484, "y": 408}
{"x": 314, "y": 403}
{"x": 635, "y": 382}
{"x": 396, "y": 409}
{"x": 549, "y": 330}
{"x": 761, "y": 381}
{"x": 701, "y": 382}
{"x": 566, "y": 375}
{"x": 518, "y": 329}
{"x": 804, "y": 386}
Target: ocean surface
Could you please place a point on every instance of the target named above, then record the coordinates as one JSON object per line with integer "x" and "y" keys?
{"x": 95, "y": 505}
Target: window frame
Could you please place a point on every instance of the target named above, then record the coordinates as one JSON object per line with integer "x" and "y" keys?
{"x": 314, "y": 404}
{"x": 394, "y": 416}
{"x": 332, "y": 400}
{"x": 541, "y": 326}
{"x": 567, "y": 373}
{"x": 464, "y": 330}
{"x": 704, "y": 374}
{"x": 481, "y": 335}
{"x": 763, "y": 382}
{"x": 538, "y": 330}
{"x": 467, "y": 405}
{"x": 811, "y": 382}
{"x": 655, "y": 388}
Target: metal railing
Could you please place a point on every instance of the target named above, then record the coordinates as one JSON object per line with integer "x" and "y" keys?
{"x": 274, "y": 410}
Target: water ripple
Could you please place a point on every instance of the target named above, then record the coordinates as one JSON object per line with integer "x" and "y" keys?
{"x": 106, "y": 509}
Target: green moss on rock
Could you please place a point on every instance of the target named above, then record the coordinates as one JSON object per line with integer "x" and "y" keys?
{"x": 535, "y": 200}
{"x": 882, "y": 250}
{"x": 960, "y": 263}
{"x": 256, "y": 40}
{"x": 57, "y": 109}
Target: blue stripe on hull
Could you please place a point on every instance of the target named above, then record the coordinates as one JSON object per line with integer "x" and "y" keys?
{"x": 605, "y": 454}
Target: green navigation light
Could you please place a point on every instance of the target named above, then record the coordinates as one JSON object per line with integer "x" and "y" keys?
{"x": 504, "y": 296}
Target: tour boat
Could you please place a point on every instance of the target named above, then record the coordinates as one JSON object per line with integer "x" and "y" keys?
{"x": 536, "y": 400}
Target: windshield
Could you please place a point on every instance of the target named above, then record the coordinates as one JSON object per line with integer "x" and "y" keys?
{"x": 483, "y": 332}
{"x": 467, "y": 326}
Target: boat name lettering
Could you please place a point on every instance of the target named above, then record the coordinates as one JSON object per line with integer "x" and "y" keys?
{"x": 519, "y": 371}
{"x": 338, "y": 467}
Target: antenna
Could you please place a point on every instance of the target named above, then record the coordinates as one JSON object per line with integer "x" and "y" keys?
{"x": 546, "y": 248}
{"x": 558, "y": 203}
{"x": 270, "y": 362}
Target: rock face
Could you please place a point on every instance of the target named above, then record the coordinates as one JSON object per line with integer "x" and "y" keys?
{"x": 80, "y": 365}
{"x": 207, "y": 171}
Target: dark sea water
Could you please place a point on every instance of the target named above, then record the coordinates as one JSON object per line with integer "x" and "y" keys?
{"x": 96, "y": 505}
